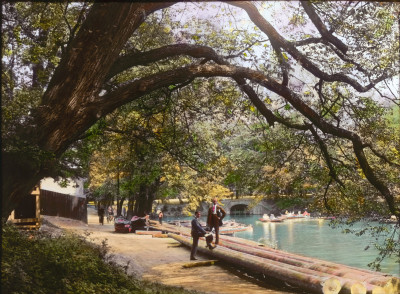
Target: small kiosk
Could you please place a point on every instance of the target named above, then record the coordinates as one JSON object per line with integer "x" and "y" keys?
{"x": 27, "y": 214}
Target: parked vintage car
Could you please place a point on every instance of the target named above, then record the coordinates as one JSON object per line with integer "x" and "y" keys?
{"x": 137, "y": 223}
{"x": 123, "y": 225}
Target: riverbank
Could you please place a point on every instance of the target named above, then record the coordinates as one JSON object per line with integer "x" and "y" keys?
{"x": 161, "y": 260}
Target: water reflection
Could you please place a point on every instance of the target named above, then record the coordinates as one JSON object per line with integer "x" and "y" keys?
{"x": 315, "y": 238}
{"x": 290, "y": 232}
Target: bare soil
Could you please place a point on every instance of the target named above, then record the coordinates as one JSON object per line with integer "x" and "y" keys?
{"x": 161, "y": 260}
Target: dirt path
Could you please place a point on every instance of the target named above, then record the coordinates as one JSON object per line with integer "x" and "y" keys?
{"x": 161, "y": 259}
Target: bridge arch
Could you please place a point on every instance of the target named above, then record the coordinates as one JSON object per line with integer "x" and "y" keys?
{"x": 239, "y": 209}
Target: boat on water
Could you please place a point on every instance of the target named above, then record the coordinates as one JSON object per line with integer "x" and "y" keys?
{"x": 293, "y": 215}
{"x": 391, "y": 220}
{"x": 230, "y": 227}
{"x": 270, "y": 219}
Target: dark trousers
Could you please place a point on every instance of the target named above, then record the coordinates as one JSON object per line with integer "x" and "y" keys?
{"x": 216, "y": 228}
{"x": 194, "y": 246}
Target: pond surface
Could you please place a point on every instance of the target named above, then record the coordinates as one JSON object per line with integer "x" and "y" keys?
{"x": 316, "y": 238}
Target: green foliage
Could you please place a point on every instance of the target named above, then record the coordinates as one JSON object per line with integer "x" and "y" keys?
{"x": 34, "y": 262}
{"x": 204, "y": 135}
{"x": 291, "y": 203}
{"x": 34, "y": 37}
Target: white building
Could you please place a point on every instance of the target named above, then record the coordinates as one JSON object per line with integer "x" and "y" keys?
{"x": 73, "y": 188}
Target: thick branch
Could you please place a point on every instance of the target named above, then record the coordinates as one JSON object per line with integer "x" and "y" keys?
{"x": 262, "y": 108}
{"x": 271, "y": 118}
{"x": 80, "y": 75}
{"x": 307, "y": 41}
{"x": 145, "y": 85}
{"x": 373, "y": 179}
{"x": 143, "y": 58}
{"x": 382, "y": 156}
{"x": 309, "y": 9}
{"x": 275, "y": 37}
{"x": 327, "y": 157}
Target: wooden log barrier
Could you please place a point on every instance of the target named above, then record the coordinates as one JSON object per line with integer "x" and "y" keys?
{"x": 199, "y": 263}
{"x": 350, "y": 283}
{"x": 368, "y": 276}
{"x": 342, "y": 271}
{"x": 371, "y": 281}
{"x": 317, "y": 262}
{"x": 138, "y": 232}
{"x": 351, "y": 279}
{"x": 377, "y": 290}
{"x": 315, "y": 284}
{"x": 160, "y": 235}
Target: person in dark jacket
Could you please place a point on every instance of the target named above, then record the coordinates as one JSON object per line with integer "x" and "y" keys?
{"x": 100, "y": 213}
{"x": 197, "y": 232}
{"x": 214, "y": 218}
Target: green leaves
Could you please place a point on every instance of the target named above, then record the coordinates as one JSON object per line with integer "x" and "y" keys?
{"x": 72, "y": 264}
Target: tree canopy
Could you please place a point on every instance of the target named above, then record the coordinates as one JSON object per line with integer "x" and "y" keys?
{"x": 315, "y": 87}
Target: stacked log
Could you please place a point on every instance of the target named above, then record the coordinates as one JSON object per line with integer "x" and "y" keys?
{"x": 312, "y": 283}
{"x": 308, "y": 273}
{"x": 369, "y": 278}
{"x": 153, "y": 233}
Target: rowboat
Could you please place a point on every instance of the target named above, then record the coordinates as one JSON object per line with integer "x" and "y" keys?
{"x": 231, "y": 226}
{"x": 270, "y": 219}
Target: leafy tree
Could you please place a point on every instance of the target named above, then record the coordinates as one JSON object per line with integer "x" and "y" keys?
{"x": 315, "y": 75}
{"x": 147, "y": 144}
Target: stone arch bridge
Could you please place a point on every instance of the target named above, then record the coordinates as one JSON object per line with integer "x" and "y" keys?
{"x": 248, "y": 205}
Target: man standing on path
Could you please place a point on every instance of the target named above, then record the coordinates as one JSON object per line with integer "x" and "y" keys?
{"x": 100, "y": 213}
{"x": 147, "y": 220}
{"x": 214, "y": 218}
{"x": 197, "y": 232}
{"x": 160, "y": 217}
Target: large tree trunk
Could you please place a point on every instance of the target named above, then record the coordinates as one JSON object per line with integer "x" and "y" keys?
{"x": 66, "y": 109}
{"x": 145, "y": 198}
{"x": 19, "y": 175}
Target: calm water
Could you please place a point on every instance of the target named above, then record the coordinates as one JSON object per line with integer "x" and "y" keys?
{"x": 315, "y": 238}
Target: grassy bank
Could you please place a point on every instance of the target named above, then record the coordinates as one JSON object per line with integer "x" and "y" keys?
{"x": 40, "y": 262}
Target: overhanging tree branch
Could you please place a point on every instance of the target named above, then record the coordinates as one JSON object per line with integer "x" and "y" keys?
{"x": 144, "y": 58}
{"x": 325, "y": 153}
{"x": 289, "y": 47}
{"x": 145, "y": 85}
{"x": 309, "y": 9}
{"x": 382, "y": 156}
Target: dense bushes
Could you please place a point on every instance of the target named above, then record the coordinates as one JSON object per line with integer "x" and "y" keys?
{"x": 34, "y": 262}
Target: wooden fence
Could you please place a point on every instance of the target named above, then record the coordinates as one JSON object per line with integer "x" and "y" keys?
{"x": 63, "y": 205}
